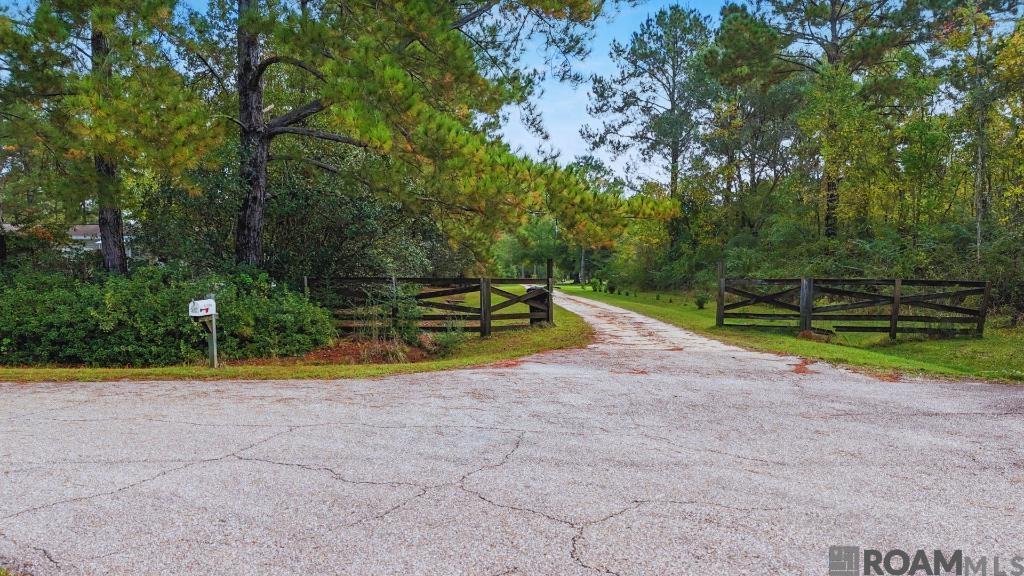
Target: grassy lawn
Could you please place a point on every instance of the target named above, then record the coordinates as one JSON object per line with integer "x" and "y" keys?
{"x": 570, "y": 331}
{"x": 996, "y": 356}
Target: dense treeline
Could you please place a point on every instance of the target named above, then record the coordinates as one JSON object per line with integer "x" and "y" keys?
{"x": 786, "y": 137}
{"x": 122, "y": 113}
{"x": 871, "y": 138}
{"x": 267, "y": 140}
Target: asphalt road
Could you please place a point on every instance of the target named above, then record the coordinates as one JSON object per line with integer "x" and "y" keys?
{"x": 653, "y": 451}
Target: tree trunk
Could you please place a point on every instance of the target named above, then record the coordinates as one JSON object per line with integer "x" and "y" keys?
{"x": 831, "y": 206}
{"x": 980, "y": 196}
{"x": 980, "y": 102}
{"x": 254, "y": 147}
{"x": 3, "y": 238}
{"x": 673, "y": 170}
{"x": 677, "y": 226}
{"x": 583, "y": 265}
{"x": 115, "y": 258}
{"x": 251, "y": 216}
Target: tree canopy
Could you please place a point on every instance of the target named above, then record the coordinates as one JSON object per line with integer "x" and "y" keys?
{"x": 875, "y": 138}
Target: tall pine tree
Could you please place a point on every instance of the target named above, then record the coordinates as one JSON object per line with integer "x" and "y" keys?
{"x": 89, "y": 96}
{"x": 658, "y": 97}
{"x": 416, "y": 86}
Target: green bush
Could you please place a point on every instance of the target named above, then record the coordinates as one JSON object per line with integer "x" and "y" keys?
{"x": 700, "y": 299}
{"x": 447, "y": 341}
{"x": 141, "y": 320}
{"x": 387, "y": 314}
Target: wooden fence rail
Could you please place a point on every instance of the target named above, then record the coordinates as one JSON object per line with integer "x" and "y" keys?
{"x": 857, "y": 304}
{"x": 436, "y": 296}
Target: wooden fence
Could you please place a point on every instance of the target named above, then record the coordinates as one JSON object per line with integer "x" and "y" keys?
{"x": 440, "y": 297}
{"x": 893, "y": 306}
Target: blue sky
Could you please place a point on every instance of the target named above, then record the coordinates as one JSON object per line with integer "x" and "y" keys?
{"x": 564, "y": 108}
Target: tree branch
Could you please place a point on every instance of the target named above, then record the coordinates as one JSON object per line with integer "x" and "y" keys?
{"x": 318, "y": 134}
{"x": 232, "y": 118}
{"x": 295, "y": 116}
{"x": 266, "y": 63}
{"x": 458, "y": 24}
{"x": 211, "y": 70}
{"x": 474, "y": 14}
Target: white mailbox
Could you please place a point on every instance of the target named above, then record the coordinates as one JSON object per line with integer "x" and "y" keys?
{"x": 205, "y": 311}
{"x": 199, "y": 308}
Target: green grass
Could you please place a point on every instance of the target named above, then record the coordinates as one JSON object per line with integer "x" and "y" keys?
{"x": 999, "y": 355}
{"x": 570, "y": 331}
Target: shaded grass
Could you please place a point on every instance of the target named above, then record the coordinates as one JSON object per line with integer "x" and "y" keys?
{"x": 999, "y": 355}
{"x": 570, "y": 331}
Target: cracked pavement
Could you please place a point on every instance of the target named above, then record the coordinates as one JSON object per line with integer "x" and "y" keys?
{"x": 652, "y": 451}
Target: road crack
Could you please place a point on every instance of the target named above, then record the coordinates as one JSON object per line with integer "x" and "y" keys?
{"x": 147, "y": 479}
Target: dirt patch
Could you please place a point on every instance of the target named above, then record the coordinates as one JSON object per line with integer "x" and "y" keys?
{"x": 505, "y": 364}
{"x": 885, "y": 376}
{"x": 802, "y": 367}
{"x": 814, "y": 336}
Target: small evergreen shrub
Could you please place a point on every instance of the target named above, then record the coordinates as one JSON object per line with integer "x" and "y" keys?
{"x": 700, "y": 299}
{"x": 142, "y": 319}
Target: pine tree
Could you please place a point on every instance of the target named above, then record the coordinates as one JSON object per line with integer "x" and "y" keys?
{"x": 414, "y": 88}
{"x": 656, "y": 100}
{"x": 91, "y": 97}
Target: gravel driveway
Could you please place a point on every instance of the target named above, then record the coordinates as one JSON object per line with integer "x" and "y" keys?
{"x": 653, "y": 451}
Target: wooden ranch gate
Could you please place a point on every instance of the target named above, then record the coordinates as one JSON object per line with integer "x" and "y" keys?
{"x": 436, "y": 297}
{"x": 893, "y": 306}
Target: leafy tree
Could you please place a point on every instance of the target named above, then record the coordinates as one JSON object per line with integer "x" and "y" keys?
{"x": 416, "y": 86}
{"x": 655, "y": 102}
{"x": 754, "y": 139}
{"x": 90, "y": 98}
{"x": 807, "y": 36}
{"x": 972, "y": 45}
{"x": 321, "y": 224}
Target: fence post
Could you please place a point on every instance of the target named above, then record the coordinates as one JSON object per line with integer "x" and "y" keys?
{"x": 983, "y": 309}
{"x": 806, "y": 303}
{"x": 720, "y": 299}
{"x": 305, "y": 286}
{"x": 485, "y": 306}
{"x": 894, "y": 317}
{"x": 551, "y": 291}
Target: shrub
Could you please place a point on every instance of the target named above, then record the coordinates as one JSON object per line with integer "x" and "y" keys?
{"x": 141, "y": 320}
{"x": 392, "y": 315}
{"x": 701, "y": 299}
{"x": 447, "y": 341}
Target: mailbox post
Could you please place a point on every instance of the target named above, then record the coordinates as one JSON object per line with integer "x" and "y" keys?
{"x": 205, "y": 311}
